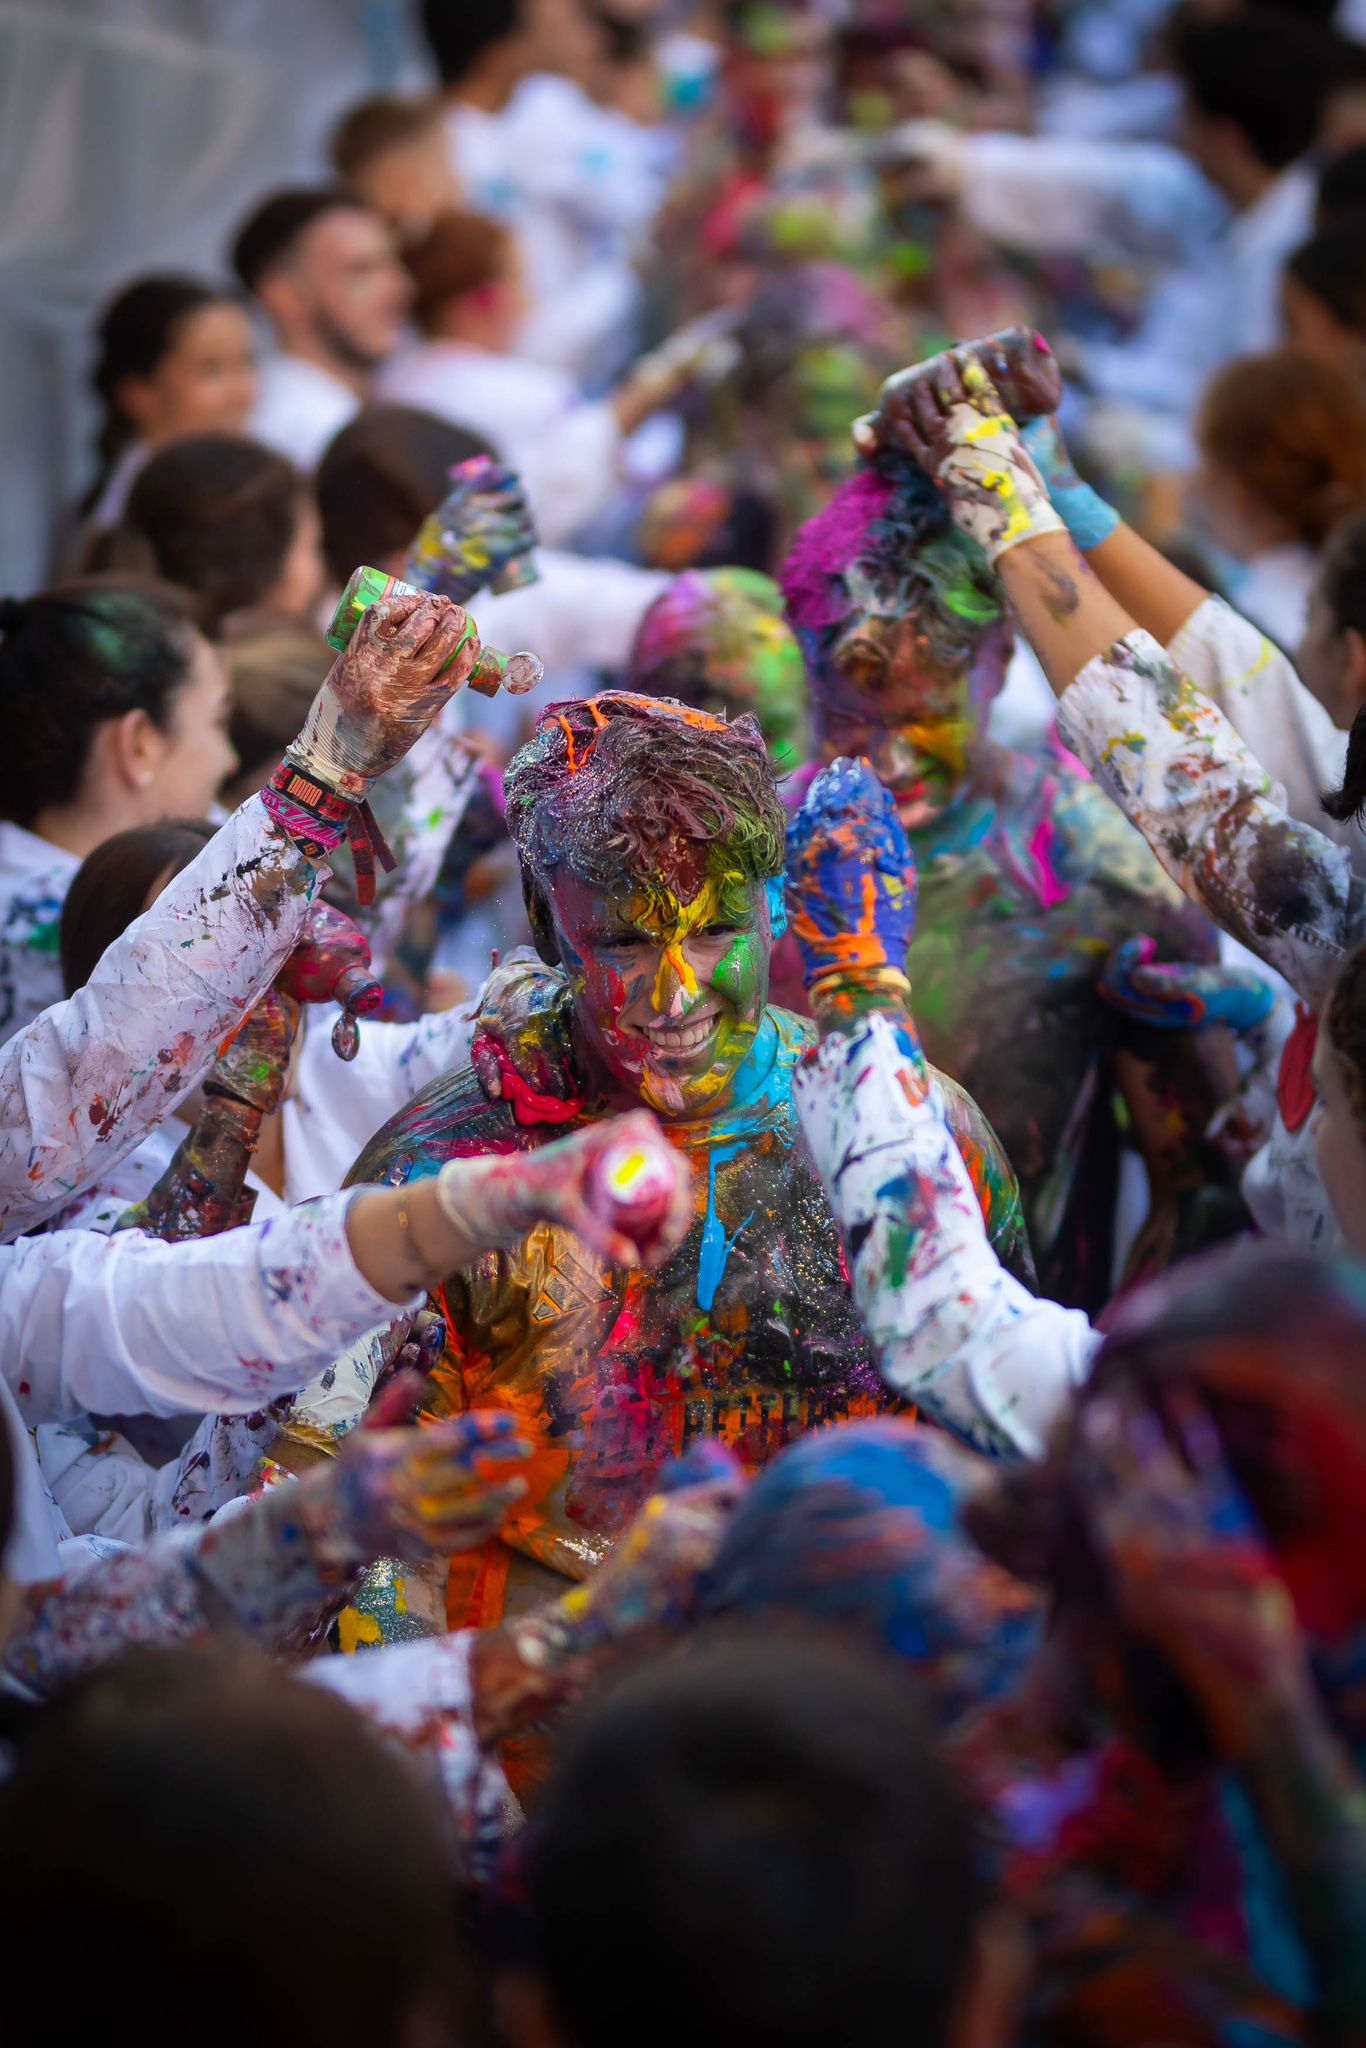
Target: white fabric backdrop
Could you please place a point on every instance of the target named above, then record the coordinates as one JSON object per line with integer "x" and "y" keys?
{"x": 134, "y": 134}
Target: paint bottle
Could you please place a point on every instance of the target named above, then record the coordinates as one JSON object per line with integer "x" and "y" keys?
{"x": 631, "y": 1187}
{"x": 1024, "y": 370}
{"x": 518, "y": 672}
{"x": 435, "y": 560}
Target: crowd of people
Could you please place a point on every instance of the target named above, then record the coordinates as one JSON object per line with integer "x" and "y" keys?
{"x": 685, "y": 1309}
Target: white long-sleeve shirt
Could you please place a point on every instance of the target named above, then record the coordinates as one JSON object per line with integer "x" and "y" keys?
{"x": 82, "y": 1084}
{"x": 953, "y": 1331}
{"x": 224, "y": 1324}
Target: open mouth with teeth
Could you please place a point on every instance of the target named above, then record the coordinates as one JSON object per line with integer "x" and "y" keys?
{"x": 672, "y": 1041}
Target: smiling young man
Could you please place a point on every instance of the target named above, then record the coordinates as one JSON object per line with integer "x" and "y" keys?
{"x": 651, "y": 838}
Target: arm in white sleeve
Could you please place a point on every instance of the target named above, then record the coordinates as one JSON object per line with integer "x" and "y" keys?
{"x": 1179, "y": 772}
{"x": 569, "y": 469}
{"x": 82, "y": 1084}
{"x": 1060, "y": 194}
{"x": 126, "y": 1325}
{"x": 583, "y": 612}
{"x": 953, "y": 1331}
{"x": 1279, "y": 721}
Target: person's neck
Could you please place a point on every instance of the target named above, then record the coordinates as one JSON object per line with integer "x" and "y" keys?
{"x": 310, "y": 348}
{"x": 1246, "y": 182}
{"x": 489, "y": 83}
{"x": 78, "y": 828}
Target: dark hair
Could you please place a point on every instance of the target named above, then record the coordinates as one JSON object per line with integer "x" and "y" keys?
{"x": 72, "y": 658}
{"x": 619, "y": 784}
{"x": 1344, "y": 1014}
{"x": 376, "y": 126}
{"x": 1342, "y": 186}
{"x": 1342, "y": 586}
{"x": 381, "y": 476}
{"x": 1268, "y": 74}
{"x": 458, "y": 33}
{"x": 109, "y": 888}
{"x": 461, "y": 252}
{"x": 1292, "y": 430}
{"x": 1332, "y": 268}
{"x": 265, "y": 241}
{"x": 136, "y": 331}
{"x": 233, "y": 1820}
{"x": 215, "y": 513}
{"x": 768, "y": 1830}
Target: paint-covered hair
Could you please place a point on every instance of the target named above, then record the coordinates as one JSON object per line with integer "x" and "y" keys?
{"x": 890, "y": 525}
{"x": 617, "y": 787}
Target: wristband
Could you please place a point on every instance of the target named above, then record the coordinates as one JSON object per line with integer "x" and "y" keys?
{"x": 315, "y": 818}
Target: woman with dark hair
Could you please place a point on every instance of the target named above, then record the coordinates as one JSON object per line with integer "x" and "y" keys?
{"x": 1325, "y": 294}
{"x": 116, "y": 711}
{"x": 175, "y": 356}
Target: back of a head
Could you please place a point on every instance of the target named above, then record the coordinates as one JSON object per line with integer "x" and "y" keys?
{"x": 1342, "y": 186}
{"x": 1265, "y": 72}
{"x": 462, "y": 252}
{"x": 268, "y": 237}
{"x": 260, "y": 1857}
{"x": 376, "y": 126}
{"x": 72, "y": 657}
{"x": 761, "y": 1838}
{"x": 380, "y": 477}
{"x": 1331, "y": 267}
{"x": 1292, "y": 430}
{"x": 215, "y": 513}
{"x": 458, "y": 35}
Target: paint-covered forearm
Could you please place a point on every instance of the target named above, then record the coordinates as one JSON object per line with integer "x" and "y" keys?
{"x": 953, "y": 1331}
{"x": 126, "y": 1325}
{"x": 82, "y": 1085}
{"x": 1177, "y": 769}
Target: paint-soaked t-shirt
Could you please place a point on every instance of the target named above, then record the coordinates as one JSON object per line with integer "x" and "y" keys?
{"x": 748, "y": 1333}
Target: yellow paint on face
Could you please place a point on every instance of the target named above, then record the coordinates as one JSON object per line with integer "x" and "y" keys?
{"x": 671, "y": 924}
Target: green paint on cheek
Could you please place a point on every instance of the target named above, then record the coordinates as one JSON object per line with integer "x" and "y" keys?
{"x": 739, "y": 973}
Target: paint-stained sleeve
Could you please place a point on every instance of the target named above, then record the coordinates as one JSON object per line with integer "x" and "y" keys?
{"x": 421, "y": 1695}
{"x": 222, "y": 1325}
{"x": 954, "y": 1332}
{"x": 1279, "y": 721}
{"x": 82, "y": 1084}
{"x": 1210, "y": 812}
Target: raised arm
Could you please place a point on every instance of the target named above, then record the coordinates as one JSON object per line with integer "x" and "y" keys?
{"x": 953, "y": 1331}
{"x": 1168, "y": 757}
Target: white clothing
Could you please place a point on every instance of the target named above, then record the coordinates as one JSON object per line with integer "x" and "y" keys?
{"x": 1273, "y": 590}
{"x": 952, "y": 1330}
{"x": 300, "y": 407}
{"x": 565, "y": 450}
{"x": 129, "y": 1324}
{"x": 107, "y": 509}
{"x": 34, "y": 878}
{"x": 82, "y": 1084}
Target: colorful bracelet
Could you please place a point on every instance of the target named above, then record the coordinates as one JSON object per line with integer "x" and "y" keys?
{"x": 316, "y": 819}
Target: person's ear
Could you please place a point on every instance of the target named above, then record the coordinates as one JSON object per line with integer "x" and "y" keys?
{"x": 132, "y": 747}
{"x": 1353, "y": 671}
{"x": 541, "y": 922}
{"x": 281, "y": 301}
{"x": 987, "y": 2010}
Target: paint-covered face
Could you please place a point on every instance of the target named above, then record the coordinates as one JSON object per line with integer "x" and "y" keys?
{"x": 907, "y": 684}
{"x": 669, "y": 990}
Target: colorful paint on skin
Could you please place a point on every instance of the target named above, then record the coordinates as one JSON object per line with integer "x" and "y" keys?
{"x": 746, "y": 1334}
{"x": 1028, "y": 877}
{"x": 717, "y": 639}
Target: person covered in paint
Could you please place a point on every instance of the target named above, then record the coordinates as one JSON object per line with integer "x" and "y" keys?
{"x": 651, "y": 841}
{"x": 1028, "y": 880}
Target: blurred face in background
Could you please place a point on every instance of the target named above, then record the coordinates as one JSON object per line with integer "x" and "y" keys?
{"x": 343, "y": 292}
{"x": 205, "y": 383}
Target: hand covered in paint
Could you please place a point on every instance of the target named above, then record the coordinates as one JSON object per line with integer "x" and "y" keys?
{"x": 406, "y": 659}
{"x": 251, "y": 1067}
{"x": 650, "y": 1580}
{"x": 413, "y": 1493}
{"x": 522, "y": 1050}
{"x": 1189, "y": 1568}
{"x": 332, "y": 965}
{"x": 850, "y": 880}
{"x": 1086, "y": 515}
{"x": 1185, "y": 996}
{"x": 619, "y": 1186}
{"x": 948, "y": 415}
{"x": 482, "y": 527}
